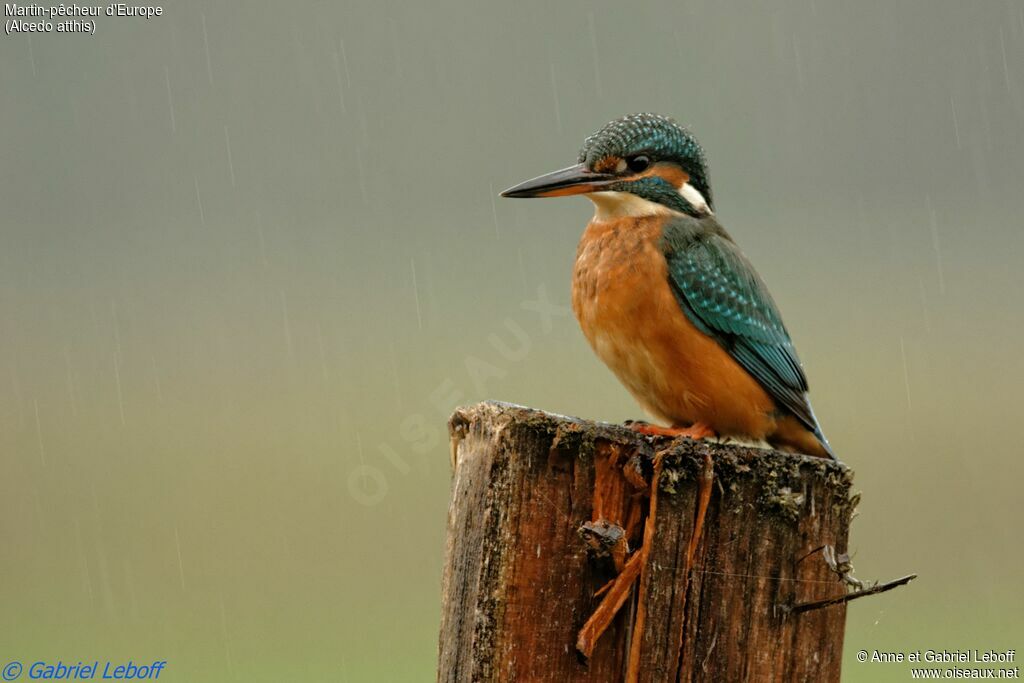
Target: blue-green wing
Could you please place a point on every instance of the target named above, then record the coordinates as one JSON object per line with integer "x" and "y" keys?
{"x": 721, "y": 293}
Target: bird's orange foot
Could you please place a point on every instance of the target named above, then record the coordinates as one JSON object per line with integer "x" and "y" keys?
{"x": 697, "y": 430}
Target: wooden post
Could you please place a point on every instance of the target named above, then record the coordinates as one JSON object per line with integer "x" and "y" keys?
{"x": 547, "y": 511}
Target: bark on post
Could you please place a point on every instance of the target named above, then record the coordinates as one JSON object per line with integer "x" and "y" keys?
{"x": 547, "y": 510}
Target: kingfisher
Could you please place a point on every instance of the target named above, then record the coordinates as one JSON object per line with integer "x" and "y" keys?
{"x": 668, "y": 301}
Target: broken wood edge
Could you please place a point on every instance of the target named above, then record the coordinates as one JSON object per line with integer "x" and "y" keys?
{"x": 613, "y": 600}
{"x": 568, "y": 430}
{"x": 636, "y": 641}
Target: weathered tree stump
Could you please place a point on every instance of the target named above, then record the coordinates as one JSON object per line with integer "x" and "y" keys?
{"x": 547, "y": 511}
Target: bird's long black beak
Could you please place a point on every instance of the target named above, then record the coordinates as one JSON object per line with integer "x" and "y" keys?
{"x": 576, "y": 179}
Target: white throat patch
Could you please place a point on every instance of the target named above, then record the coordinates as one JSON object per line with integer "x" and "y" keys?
{"x": 609, "y": 205}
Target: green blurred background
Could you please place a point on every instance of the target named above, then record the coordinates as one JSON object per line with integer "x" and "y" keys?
{"x": 251, "y": 255}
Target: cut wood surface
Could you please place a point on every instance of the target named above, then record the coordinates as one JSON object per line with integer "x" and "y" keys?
{"x": 553, "y": 554}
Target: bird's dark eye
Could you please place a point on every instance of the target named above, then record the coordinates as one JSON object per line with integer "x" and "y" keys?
{"x": 638, "y": 163}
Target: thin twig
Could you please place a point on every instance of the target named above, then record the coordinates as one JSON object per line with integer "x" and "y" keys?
{"x": 874, "y": 590}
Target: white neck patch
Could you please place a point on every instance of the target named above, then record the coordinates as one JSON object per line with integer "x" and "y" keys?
{"x": 695, "y": 199}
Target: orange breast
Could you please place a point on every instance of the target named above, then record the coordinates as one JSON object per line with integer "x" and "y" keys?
{"x": 631, "y": 318}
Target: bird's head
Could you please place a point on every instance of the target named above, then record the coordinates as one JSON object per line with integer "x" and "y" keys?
{"x": 639, "y": 164}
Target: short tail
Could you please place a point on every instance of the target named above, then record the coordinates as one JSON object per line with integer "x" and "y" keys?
{"x": 820, "y": 435}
